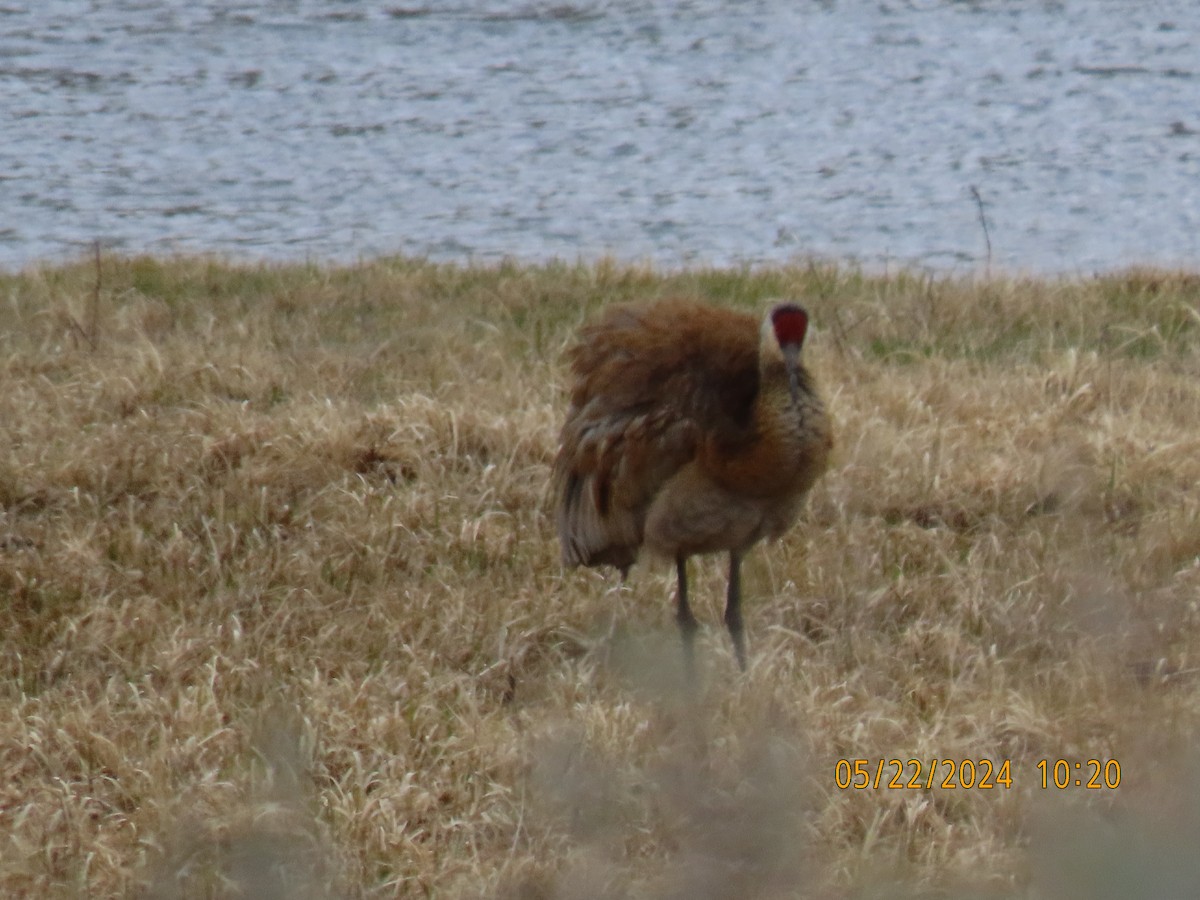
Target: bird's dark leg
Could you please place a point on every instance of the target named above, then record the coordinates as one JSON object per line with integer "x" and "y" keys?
{"x": 733, "y": 609}
{"x": 687, "y": 621}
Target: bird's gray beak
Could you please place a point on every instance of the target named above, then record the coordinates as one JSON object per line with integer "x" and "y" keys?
{"x": 791, "y": 360}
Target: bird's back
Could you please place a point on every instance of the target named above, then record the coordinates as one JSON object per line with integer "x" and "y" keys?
{"x": 650, "y": 384}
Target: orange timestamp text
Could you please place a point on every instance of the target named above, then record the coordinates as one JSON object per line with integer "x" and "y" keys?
{"x": 922, "y": 774}
{"x": 980, "y": 774}
{"x": 1064, "y": 773}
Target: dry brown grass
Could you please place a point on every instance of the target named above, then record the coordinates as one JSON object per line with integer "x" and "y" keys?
{"x": 282, "y": 613}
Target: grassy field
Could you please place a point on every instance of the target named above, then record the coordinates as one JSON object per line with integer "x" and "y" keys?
{"x": 282, "y": 613}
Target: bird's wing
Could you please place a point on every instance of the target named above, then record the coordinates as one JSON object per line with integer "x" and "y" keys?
{"x": 650, "y": 385}
{"x": 694, "y": 361}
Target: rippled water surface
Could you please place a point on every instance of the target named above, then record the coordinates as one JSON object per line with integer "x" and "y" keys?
{"x": 709, "y": 131}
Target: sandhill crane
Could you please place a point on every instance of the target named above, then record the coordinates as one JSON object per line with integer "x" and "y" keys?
{"x": 691, "y": 429}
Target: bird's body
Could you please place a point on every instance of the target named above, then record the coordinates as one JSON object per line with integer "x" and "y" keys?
{"x": 691, "y": 430}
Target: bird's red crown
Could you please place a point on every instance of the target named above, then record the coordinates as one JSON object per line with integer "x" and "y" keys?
{"x": 790, "y": 323}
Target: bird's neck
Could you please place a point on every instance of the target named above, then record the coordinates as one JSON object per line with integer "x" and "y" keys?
{"x": 780, "y": 435}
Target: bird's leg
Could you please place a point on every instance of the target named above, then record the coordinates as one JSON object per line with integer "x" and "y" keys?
{"x": 733, "y": 609}
{"x": 683, "y": 615}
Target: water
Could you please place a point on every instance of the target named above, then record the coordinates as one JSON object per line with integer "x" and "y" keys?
{"x": 686, "y": 132}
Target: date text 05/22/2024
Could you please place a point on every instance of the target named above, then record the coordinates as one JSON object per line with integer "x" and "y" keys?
{"x": 980, "y": 774}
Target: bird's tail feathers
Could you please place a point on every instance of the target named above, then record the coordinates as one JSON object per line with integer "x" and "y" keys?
{"x": 590, "y": 537}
